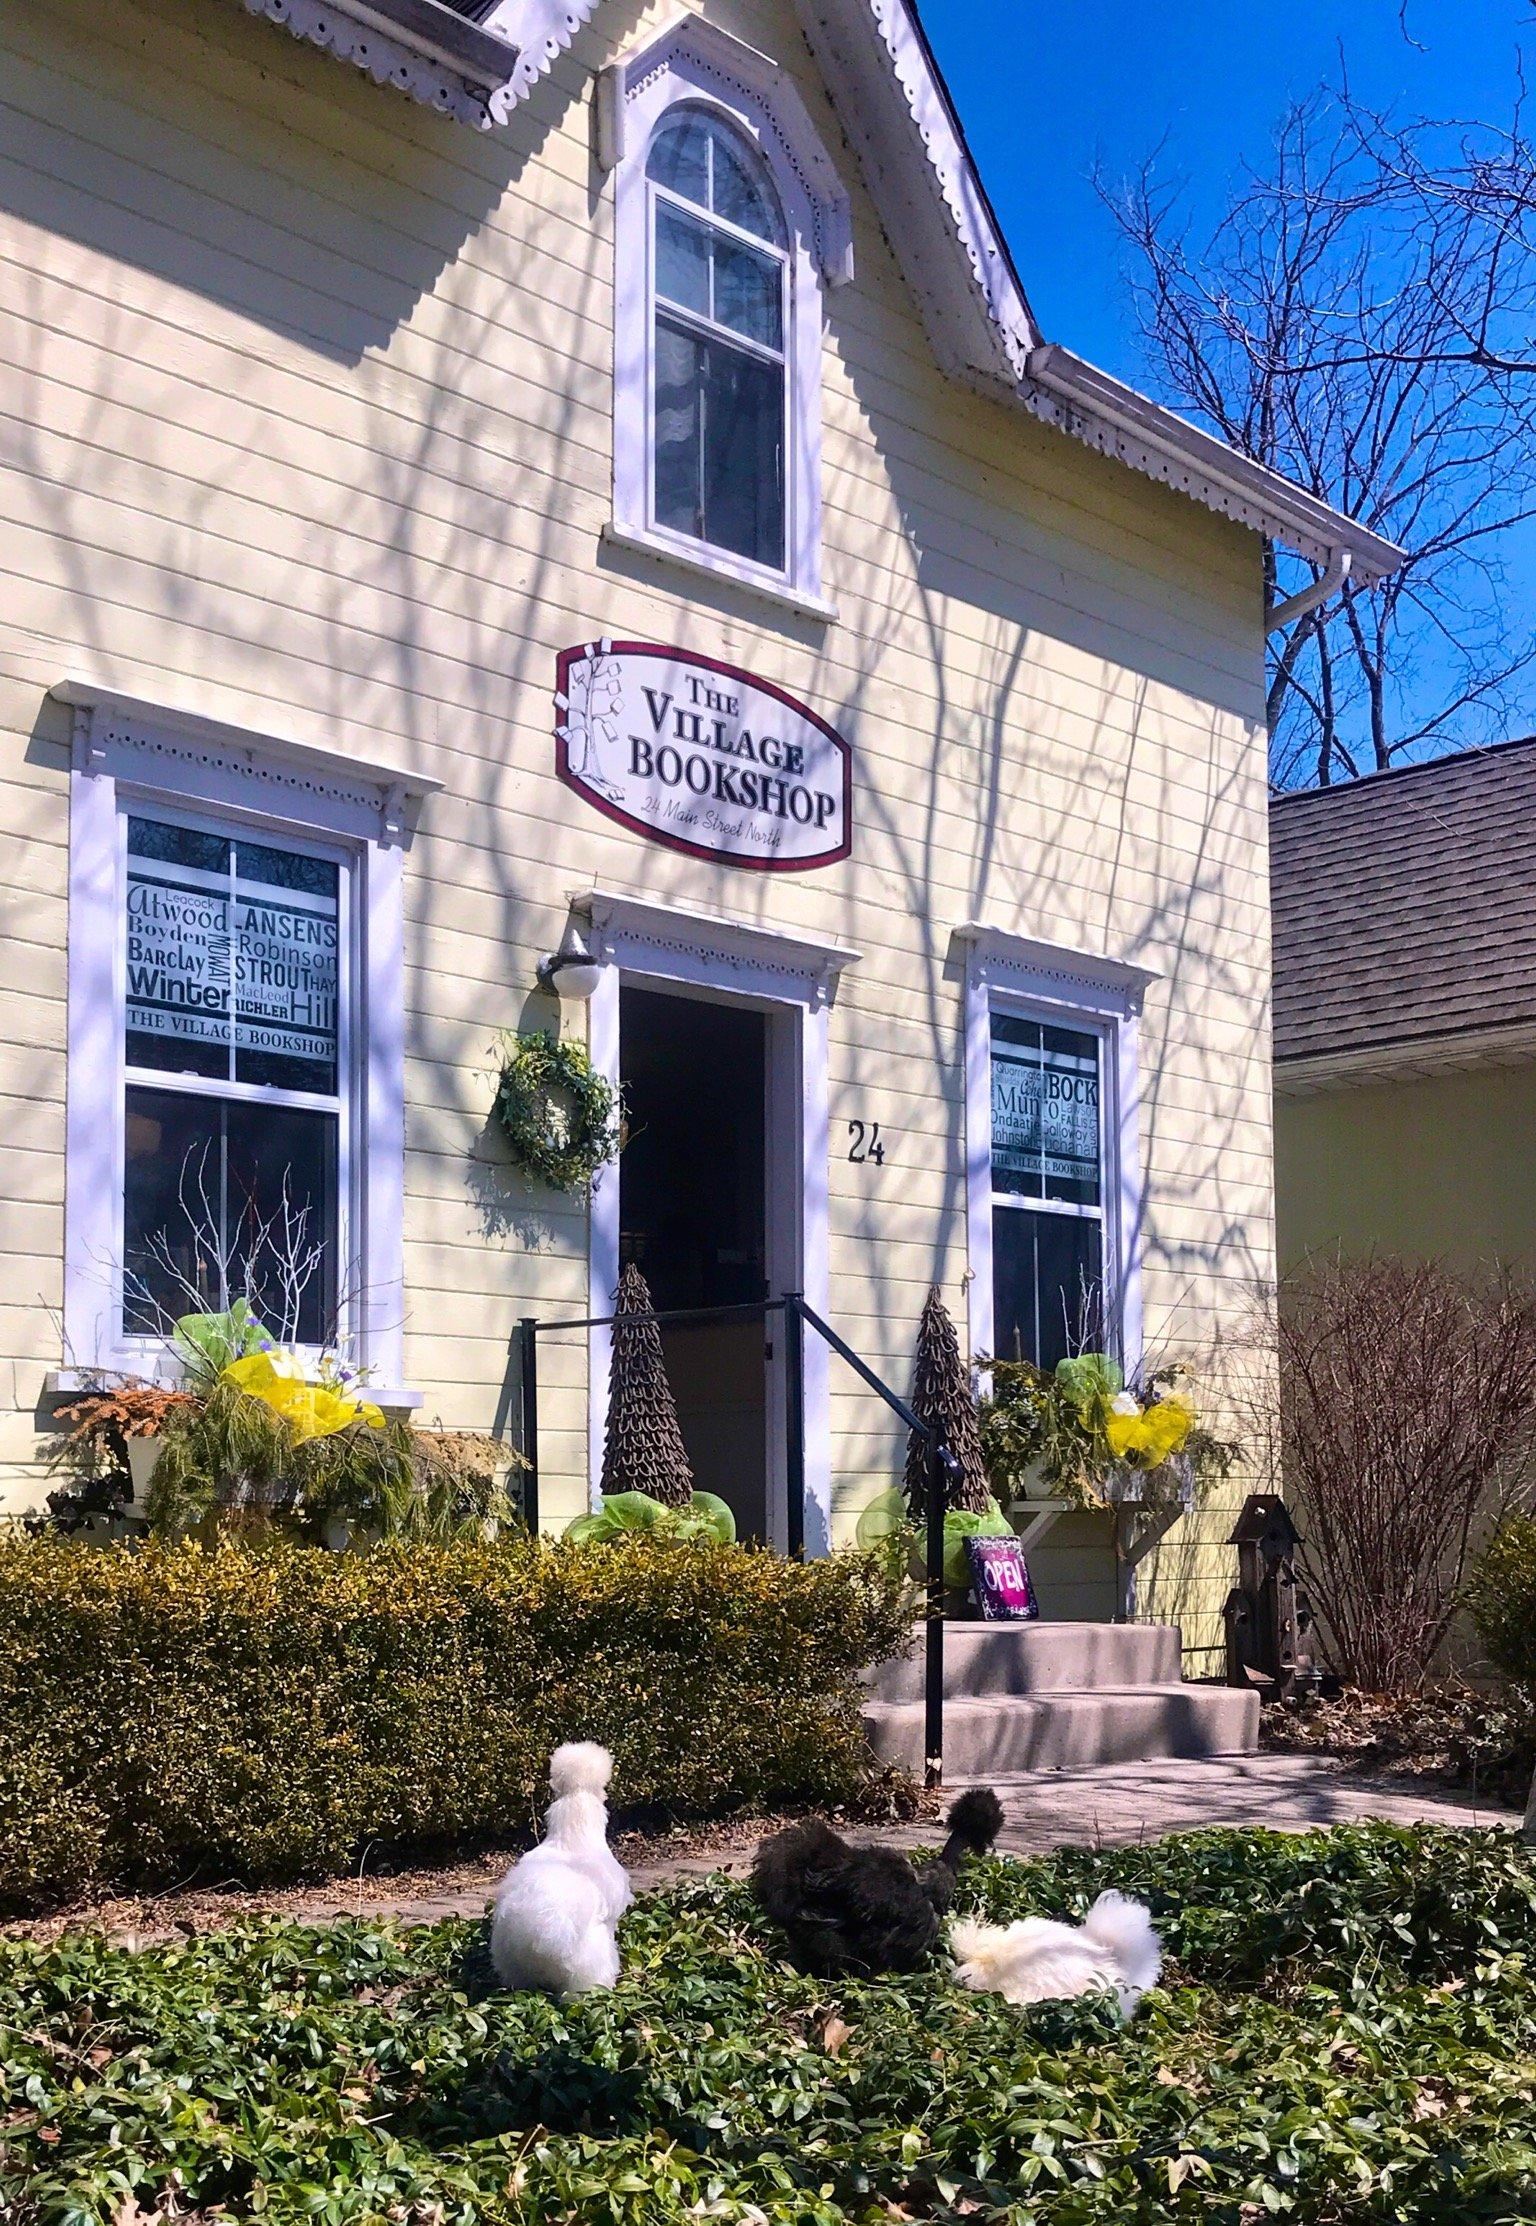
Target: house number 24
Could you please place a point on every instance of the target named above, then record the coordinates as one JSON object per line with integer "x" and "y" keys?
{"x": 864, "y": 1145}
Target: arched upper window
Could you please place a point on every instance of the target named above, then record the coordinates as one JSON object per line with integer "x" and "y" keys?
{"x": 720, "y": 284}
{"x": 730, "y": 228}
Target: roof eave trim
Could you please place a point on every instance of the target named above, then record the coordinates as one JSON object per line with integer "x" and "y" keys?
{"x": 1455, "y": 1050}
{"x": 897, "y": 114}
{"x": 1103, "y": 411}
{"x": 541, "y": 31}
{"x": 419, "y": 47}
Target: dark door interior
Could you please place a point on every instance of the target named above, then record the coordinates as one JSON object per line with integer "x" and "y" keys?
{"x": 693, "y": 1217}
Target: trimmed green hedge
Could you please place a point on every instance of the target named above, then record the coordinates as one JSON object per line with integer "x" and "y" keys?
{"x": 263, "y": 1713}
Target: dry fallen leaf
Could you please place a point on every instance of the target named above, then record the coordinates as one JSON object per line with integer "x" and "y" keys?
{"x": 835, "y": 2035}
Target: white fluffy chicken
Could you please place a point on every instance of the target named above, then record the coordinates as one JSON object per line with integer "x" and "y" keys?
{"x": 1113, "y": 1951}
{"x": 554, "y": 1925}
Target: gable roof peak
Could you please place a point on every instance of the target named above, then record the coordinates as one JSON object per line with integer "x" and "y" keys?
{"x": 479, "y": 59}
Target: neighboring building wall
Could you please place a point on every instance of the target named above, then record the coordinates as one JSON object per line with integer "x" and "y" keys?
{"x": 1438, "y": 1168}
{"x": 311, "y": 434}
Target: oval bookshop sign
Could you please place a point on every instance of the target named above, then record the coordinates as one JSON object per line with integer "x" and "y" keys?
{"x": 702, "y": 757}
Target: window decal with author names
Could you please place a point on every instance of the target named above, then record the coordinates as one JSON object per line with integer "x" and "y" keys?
{"x": 233, "y": 955}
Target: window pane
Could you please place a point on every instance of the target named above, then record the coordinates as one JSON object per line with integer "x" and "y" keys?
{"x": 749, "y": 291}
{"x": 1070, "y": 1116}
{"x": 739, "y": 194}
{"x": 743, "y": 406}
{"x": 178, "y": 954}
{"x": 198, "y": 942}
{"x": 178, "y": 846}
{"x": 680, "y": 158}
{"x": 222, "y": 1199}
{"x": 679, "y": 430}
{"x": 287, "y": 969}
{"x": 1016, "y": 1087}
{"x": 704, "y": 161}
{"x": 1047, "y": 1285}
{"x": 719, "y": 445}
{"x": 288, "y": 869}
{"x": 1045, "y": 1112}
{"x": 682, "y": 259}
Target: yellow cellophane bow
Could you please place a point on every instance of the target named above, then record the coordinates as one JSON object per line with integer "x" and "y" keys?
{"x": 313, "y": 1410}
{"x": 1152, "y": 1437}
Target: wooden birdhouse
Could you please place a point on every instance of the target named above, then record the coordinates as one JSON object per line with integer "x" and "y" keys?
{"x": 1268, "y": 1616}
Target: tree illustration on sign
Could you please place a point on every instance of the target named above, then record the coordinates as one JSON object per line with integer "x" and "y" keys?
{"x": 591, "y": 722}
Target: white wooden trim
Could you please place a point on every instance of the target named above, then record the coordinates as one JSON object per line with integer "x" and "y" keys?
{"x": 690, "y": 928}
{"x": 695, "y": 62}
{"x": 719, "y": 564}
{"x": 195, "y": 755}
{"x": 379, "y": 1190}
{"x": 440, "y": 59}
{"x": 602, "y": 1229}
{"x": 93, "y": 1123}
{"x": 131, "y": 756}
{"x": 1068, "y": 988}
{"x": 793, "y": 982}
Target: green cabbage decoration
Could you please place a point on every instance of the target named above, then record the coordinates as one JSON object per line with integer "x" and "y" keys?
{"x": 626, "y": 1513}
{"x": 885, "y": 1518}
{"x": 207, "y": 1344}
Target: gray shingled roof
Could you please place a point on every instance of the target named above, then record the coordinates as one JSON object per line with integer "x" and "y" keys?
{"x": 1405, "y": 905}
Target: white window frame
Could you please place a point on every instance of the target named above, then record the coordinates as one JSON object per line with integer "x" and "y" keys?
{"x": 130, "y": 757}
{"x": 145, "y": 1351}
{"x": 695, "y": 64}
{"x": 1094, "y": 995}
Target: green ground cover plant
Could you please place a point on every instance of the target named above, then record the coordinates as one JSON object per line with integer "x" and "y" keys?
{"x": 170, "y": 1713}
{"x": 1346, "y": 2036}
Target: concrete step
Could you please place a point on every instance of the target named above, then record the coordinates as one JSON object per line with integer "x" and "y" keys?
{"x": 989, "y": 1660}
{"x": 1004, "y": 1735}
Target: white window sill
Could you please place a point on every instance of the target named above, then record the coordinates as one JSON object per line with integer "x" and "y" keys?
{"x": 647, "y": 541}
{"x": 75, "y": 1383}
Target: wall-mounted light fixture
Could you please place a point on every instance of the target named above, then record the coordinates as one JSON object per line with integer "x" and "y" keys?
{"x": 573, "y": 972}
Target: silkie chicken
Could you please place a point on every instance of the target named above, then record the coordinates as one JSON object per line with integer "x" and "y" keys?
{"x": 857, "y": 1911}
{"x": 555, "y": 1921}
{"x": 1113, "y": 1951}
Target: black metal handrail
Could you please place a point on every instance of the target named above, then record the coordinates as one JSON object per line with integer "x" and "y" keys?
{"x": 942, "y": 1464}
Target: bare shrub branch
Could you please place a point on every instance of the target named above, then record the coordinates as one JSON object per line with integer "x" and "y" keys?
{"x": 1407, "y": 1419}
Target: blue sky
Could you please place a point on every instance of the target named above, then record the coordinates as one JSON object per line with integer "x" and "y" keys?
{"x": 1047, "y": 91}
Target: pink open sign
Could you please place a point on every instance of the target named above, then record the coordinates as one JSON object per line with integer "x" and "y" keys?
{"x": 1000, "y": 1580}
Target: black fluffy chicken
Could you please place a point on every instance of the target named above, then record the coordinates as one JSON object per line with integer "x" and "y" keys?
{"x": 863, "y": 1910}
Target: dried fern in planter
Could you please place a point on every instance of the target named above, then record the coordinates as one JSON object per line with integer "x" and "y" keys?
{"x": 93, "y": 1456}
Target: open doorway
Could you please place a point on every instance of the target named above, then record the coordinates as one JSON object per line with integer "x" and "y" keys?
{"x": 693, "y": 1216}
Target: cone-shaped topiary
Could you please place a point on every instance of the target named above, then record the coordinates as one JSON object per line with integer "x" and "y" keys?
{"x": 941, "y": 1394}
{"x": 643, "y": 1448}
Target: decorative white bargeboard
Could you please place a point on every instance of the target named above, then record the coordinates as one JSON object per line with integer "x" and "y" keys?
{"x": 702, "y": 757}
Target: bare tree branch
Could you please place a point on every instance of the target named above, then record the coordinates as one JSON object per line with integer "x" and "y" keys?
{"x": 1363, "y": 318}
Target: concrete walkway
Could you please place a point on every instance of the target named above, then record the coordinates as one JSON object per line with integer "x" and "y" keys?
{"x": 1108, "y": 1806}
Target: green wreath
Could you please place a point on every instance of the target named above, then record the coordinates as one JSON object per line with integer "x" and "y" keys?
{"x": 558, "y": 1114}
